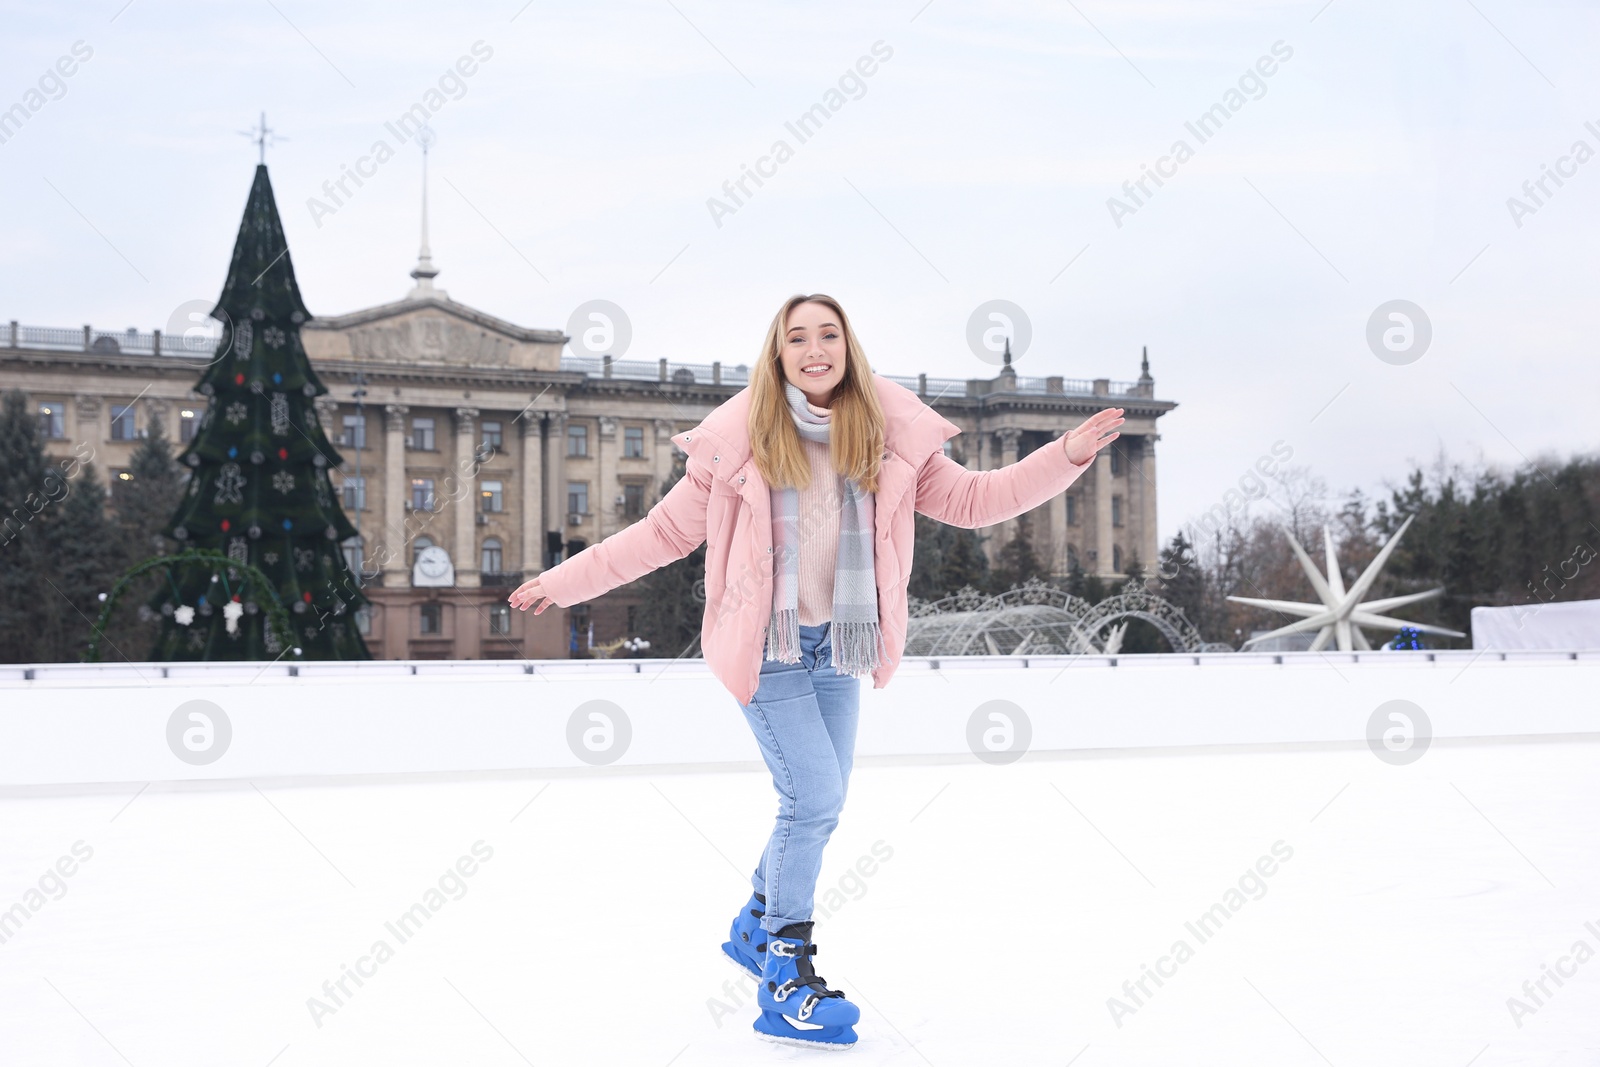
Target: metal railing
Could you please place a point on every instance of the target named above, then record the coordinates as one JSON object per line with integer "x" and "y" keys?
{"x": 665, "y": 371}
{"x": 662, "y": 371}
{"x": 89, "y": 339}
{"x": 668, "y": 372}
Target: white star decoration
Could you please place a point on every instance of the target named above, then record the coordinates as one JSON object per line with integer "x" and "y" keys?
{"x": 184, "y": 615}
{"x": 230, "y": 613}
{"x": 1341, "y": 614}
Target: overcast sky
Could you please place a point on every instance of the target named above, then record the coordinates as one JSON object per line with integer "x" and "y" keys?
{"x": 976, "y": 162}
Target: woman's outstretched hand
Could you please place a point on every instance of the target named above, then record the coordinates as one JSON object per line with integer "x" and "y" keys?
{"x": 1084, "y": 440}
{"x": 528, "y": 594}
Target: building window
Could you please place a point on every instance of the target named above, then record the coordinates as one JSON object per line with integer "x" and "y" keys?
{"x": 364, "y": 619}
{"x": 422, "y": 494}
{"x": 188, "y": 424}
{"x": 493, "y": 437}
{"x": 422, "y": 434}
{"x": 52, "y": 420}
{"x": 633, "y": 442}
{"x": 431, "y": 619}
{"x": 1072, "y": 509}
{"x": 1072, "y": 556}
{"x": 1116, "y": 458}
{"x": 355, "y": 432}
{"x": 578, "y": 498}
{"x": 1116, "y": 510}
{"x": 577, "y": 440}
{"x": 1116, "y": 558}
{"x": 493, "y": 495}
{"x": 355, "y": 492}
{"x": 632, "y": 501}
{"x": 500, "y": 620}
{"x": 122, "y": 422}
{"x": 491, "y": 557}
{"x": 351, "y": 547}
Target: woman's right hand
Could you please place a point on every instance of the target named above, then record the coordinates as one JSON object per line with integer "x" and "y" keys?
{"x": 528, "y": 594}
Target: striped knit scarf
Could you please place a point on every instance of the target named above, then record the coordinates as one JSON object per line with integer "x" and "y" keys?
{"x": 855, "y": 635}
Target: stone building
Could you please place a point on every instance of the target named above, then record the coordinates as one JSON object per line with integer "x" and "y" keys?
{"x": 476, "y": 453}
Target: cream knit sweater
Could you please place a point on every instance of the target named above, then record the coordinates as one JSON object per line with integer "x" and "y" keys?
{"x": 820, "y": 503}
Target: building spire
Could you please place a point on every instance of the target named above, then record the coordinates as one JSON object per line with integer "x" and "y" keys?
{"x": 424, "y": 272}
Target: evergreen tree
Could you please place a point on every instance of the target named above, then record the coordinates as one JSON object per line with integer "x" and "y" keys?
{"x": 944, "y": 559}
{"x": 1181, "y": 583}
{"x": 1017, "y": 562}
{"x": 28, "y": 605}
{"x": 672, "y": 600}
{"x": 1084, "y": 586}
{"x": 153, "y": 492}
{"x": 259, "y": 489}
{"x": 88, "y": 560}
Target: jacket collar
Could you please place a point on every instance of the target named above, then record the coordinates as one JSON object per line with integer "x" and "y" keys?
{"x": 912, "y": 430}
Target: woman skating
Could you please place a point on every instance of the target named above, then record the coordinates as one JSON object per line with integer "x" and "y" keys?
{"x": 803, "y": 487}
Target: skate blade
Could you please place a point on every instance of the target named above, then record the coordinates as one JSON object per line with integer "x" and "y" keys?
{"x": 786, "y": 1031}
{"x": 730, "y": 954}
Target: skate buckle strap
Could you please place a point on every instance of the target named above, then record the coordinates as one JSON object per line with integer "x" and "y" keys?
{"x": 779, "y": 947}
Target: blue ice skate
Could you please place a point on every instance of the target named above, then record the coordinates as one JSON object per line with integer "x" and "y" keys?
{"x": 747, "y": 941}
{"x": 797, "y": 1007}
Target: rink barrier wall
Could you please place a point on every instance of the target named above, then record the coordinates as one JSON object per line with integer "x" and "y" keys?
{"x": 89, "y": 723}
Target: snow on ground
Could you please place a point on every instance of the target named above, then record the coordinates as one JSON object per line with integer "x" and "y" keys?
{"x": 1003, "y": 907}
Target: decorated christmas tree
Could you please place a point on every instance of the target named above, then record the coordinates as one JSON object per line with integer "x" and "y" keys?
{"x": 259, "y": 492}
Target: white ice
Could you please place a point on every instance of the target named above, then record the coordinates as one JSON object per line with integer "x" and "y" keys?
{"x": 1016, "y": 902}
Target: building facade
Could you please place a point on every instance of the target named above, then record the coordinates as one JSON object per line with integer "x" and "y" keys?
{"x": 476, "y": 454}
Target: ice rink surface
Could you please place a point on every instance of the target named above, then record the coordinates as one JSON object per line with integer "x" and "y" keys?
{"x": 977, "y": 914}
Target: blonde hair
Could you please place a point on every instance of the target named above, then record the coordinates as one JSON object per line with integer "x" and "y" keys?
{"x": 855, "y": 443}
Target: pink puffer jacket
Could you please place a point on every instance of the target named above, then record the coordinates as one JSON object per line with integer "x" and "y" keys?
{"x": 722, "y": 501}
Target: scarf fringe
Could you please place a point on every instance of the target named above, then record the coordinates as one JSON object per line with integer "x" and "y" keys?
{"x": 855, "y": 647}
{"x": 783, "y": 636}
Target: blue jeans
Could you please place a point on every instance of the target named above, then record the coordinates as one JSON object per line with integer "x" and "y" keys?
{"x": 804, "y": 718}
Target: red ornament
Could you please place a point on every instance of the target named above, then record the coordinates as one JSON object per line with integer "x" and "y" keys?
{"x": 306, "y": 596}
{"x": 224, "y": 525}
{"x": 236, "y": 598}
{"x": 238, "y": 379}
{"x": 283, "y": 453}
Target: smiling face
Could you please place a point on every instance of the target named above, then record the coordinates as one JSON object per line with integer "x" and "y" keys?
{"x": 814, "y": 351}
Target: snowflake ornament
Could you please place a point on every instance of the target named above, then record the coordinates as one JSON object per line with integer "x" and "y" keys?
{"x": 183, "y": 615}
{"x": 1342, "y": 613}
{"x": 283, "y": 481}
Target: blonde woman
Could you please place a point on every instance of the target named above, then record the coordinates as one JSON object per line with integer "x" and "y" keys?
{"x": 803, "y": 487}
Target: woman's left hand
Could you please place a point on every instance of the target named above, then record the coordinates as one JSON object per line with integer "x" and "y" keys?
{"x": 1084, "y": 440}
